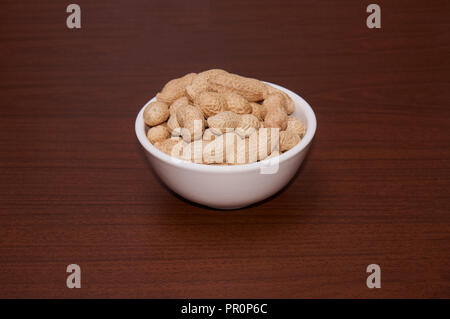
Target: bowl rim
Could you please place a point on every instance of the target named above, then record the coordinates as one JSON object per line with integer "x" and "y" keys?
{"x": 306, "y": 140}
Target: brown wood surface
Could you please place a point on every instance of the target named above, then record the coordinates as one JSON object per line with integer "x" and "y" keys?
{"x": 75, "y": 186}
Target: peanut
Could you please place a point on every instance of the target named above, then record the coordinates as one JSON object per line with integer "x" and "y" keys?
{"x": 236, "y": 103}
{"x": 172, "y": 122}
{"x": 251, "y": 89}
{"x": 211, "y": 103}
{"x": 220, "y": 122}
{"x": 276, "y": 118}
{"x": 158, "y": 134}
{"x": 173, "y": 126}
{"x": 288, "y": 139}
{"x": 175, "y": 89}
{"x": 167, "y": 145}
{"x": 156, "y": 113}
{"x": 200, "y": 82}
{"x": 244, "y": 124}
{"x": 295, "y": 125}
{"x": 289, "y": 104}
{"x": 256, "y": 110}
{"x": 191, "y": 121}
{"x": 272, "y": 101}
{"x": 247, "y": 125}
{"x": 182, "y": 101}
{"x": 274, "y": 113}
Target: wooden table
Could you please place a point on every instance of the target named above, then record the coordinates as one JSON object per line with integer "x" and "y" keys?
{"x": 76, "y": 189}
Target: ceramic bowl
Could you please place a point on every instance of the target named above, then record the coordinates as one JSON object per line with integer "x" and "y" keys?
{"x": 230, "y": 186}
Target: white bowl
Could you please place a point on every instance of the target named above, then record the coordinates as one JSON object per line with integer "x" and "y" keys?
{"x": 230, "y": 186}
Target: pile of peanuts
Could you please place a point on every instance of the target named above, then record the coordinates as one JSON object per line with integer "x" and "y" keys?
{"x": 216, "y": 117}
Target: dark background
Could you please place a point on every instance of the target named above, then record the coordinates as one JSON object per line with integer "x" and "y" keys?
{"x": 75, "y": 186}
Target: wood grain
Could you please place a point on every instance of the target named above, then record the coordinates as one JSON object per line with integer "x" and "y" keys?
{"x": 75, "y": 187}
